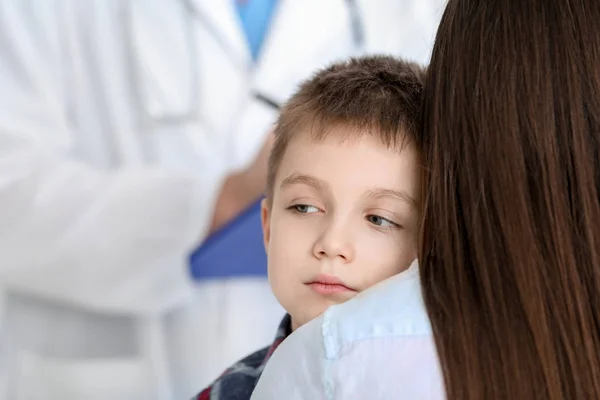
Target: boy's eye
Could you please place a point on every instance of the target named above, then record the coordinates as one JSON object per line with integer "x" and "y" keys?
{"x": 380, "y": 221}
{"x": 304, "y": 209}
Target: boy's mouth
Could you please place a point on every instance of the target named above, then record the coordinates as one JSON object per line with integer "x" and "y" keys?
{"x": 328, "y": 285}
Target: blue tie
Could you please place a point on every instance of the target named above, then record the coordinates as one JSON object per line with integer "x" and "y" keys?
{"x": 255, "y": 16}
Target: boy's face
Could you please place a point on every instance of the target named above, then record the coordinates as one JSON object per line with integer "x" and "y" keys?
{"x": 343, "y": 218}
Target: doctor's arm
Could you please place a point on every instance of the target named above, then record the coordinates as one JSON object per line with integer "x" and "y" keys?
{"x": 112, "y": 240}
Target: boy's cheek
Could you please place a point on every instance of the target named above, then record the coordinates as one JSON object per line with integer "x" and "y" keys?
{"x": 291, "y": 228}
{"x": 289, "y": 249}
{"x": 380, "y": 260}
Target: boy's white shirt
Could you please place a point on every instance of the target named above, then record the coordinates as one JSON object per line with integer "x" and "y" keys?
{"x": 378, "y": 345}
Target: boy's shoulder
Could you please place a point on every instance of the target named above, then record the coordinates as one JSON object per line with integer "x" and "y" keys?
{"x": 238, "y": 381}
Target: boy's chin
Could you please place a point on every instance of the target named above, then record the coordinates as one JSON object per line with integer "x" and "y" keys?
{"x": 306, "y": 318}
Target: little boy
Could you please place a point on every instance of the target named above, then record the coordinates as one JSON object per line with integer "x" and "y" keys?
{"x": 340, "y": 212}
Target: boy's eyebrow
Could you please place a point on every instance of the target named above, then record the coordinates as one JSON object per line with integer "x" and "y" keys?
{"x": 321, "y": 185}
{"x": 308, "y": 180}
{"x": 402, "y": 196}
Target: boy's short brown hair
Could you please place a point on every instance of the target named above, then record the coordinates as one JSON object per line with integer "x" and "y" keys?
{"x": 376, "y": 95}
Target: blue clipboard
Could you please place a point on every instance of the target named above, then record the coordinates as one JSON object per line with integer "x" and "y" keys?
{"x": 236, "y": 250}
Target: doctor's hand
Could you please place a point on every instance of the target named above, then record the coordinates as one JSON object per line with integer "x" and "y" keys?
{"x": 242, "y": 188}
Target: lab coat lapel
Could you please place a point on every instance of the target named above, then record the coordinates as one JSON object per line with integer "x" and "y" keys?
{"x": 165, "y": 38}
{"x": 221, "y": 19}
{"x": 303, "y": 36}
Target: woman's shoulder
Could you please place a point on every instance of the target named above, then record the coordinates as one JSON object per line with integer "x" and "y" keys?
{"x": 392, "y": 308}
{"x": 374, "y": 346}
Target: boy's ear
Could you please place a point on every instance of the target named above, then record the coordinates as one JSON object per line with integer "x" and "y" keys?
{"x": 265, "y": 215}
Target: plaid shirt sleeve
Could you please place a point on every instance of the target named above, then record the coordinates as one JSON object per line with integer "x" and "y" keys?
{"x": 238, "y": 382}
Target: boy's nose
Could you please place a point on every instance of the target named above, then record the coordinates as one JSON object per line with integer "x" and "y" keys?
{"x": 334, "y": 243}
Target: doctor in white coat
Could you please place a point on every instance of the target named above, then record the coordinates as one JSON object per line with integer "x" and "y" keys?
{"x": 119, "y": 122}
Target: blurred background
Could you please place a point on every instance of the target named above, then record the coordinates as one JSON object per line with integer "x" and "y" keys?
{"x": 134, "y": 136}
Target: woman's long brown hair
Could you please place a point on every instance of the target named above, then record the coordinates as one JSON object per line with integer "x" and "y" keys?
{"x": 510, "y": 252}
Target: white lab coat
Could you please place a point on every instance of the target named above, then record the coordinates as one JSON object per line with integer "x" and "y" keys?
{"x": 119, "y": 120}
